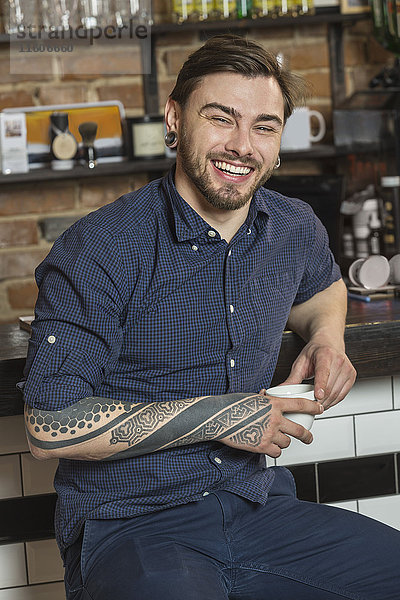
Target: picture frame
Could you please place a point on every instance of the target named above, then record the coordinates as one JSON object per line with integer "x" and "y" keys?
{"x": 354, "y": 6}
{"x": 109, "y": 142}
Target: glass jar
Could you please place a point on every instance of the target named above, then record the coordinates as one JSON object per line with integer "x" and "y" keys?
{"x": 390, "y": 192}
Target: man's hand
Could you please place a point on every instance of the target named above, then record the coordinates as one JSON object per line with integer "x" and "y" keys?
{"x": 270, "y": 433}
{"x": 320, "y": 322}
{"x": 334, "y": 375}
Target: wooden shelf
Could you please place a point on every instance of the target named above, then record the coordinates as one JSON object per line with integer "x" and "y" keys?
{"x": 259, "y": 23}
{"x": 79, "y": 172}
{"x": 159, "y": 166}
{"x": 321, "y": 16}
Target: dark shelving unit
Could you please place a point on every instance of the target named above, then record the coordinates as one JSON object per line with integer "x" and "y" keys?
{"x": 335, "y": 22}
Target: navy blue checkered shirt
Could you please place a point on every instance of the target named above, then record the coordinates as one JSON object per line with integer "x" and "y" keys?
{"x": 143, "y": 301}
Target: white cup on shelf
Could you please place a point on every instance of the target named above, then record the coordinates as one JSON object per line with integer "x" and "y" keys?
{"x": 298, "y": 132}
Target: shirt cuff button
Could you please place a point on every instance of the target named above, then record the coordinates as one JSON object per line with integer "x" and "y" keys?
{"x": 51, "y": 339}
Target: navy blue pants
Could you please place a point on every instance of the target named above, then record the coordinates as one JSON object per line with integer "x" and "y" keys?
{"x": 225, "y": 547}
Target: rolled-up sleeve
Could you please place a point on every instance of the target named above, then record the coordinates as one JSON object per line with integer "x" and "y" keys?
{"x": 77, "y": 332}
{"x": 321, "y": 269}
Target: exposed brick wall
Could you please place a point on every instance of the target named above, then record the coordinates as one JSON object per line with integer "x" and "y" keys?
{"x": 32, "y": 215}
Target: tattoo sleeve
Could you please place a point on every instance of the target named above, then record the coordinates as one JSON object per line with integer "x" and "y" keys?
{"x": 104, "y": 429}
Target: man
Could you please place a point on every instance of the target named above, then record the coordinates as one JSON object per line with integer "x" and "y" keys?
{"x": 157, "y": 330}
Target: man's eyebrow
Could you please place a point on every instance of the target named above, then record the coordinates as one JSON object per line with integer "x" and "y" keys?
{"x": 234, "y": 113}
{"x": 226, "y": 109}
{"x": 267, "y": 117}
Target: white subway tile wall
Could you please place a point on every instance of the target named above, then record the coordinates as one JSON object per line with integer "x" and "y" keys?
{"x": 367, "y": 396}
{"x": 12, "y": 565}
{"x": 333, "y": 439}
{"x": 10, "y": 476}
{"x": 377, "y": 433}
{"x": 347, "y": 505}
{"x": 44, "y": 561}
{"x": 366, "y": 423}
{"x": 37, "y": 475}
{"x": 385, "y": 509}
{"x": 49, "y": 591}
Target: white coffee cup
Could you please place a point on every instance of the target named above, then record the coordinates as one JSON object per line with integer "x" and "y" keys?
{"x": 370, "y": 273}
{"x": 295, "y": 390}
{"x": 394, "y": 264}
{"x": 297, "y": 133}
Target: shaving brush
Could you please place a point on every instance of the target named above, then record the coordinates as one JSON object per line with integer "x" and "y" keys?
{"x": 88, "y": 131}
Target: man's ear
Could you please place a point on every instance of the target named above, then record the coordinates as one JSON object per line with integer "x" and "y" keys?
{"x": 172, "y": 115}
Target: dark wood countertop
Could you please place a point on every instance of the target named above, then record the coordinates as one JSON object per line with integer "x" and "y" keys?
{"x": 372, "y": 342}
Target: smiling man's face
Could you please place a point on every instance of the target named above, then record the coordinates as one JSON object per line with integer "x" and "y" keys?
{"x": 229, "y": 137}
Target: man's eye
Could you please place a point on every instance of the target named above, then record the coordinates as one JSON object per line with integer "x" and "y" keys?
{"x": 221, "y": 120}
{"x": 264, "y": 129}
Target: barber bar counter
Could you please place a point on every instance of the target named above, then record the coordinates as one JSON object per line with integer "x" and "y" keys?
{"x": 353, "y": 461}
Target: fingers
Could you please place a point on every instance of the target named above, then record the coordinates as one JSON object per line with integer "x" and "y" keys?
{"x": 299, "y": 371}
{"x": 281, "y": 440}
{"x": 297, "y": 431}
{"x": 301, "y": 405}
{"x": 338, "y": 383}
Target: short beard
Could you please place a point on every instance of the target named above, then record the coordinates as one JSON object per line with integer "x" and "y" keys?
{"x": 225, "y": 198}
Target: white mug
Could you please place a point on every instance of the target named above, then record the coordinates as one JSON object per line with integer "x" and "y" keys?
{"x": 371, "y": 273}
{"x": 394, "y": 264}
{"x": 297, "y": 134}
{"x": 295, "y": 390}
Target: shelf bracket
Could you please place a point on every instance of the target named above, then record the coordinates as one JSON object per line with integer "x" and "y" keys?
{"x": 149, "y": 80}
{"x": 336, "y": 58}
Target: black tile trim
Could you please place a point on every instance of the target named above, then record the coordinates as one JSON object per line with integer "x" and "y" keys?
{"x": 356, "y": 478}
{"x": 27, "y": 519}
{"x": 32, "y": 517}
{"x": 306, "y": 484}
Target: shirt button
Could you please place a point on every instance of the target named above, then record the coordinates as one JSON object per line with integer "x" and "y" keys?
{"x": 212, "y": 233}
{"x": 51, "y": 339}
{"x": 231, "y": 308}
{"x": 230, "y": 252}
{"x": 218, "y": 460}
{"x": 206, "y": 493}
{"x": 249, "y": 231}
{"x": 232, "y": 363}
{"x": 194, "y": 248}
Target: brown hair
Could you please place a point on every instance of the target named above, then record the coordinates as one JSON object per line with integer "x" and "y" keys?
{"x": 233, "y": 53}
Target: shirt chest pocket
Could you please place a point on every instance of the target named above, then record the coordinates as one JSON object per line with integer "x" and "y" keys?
{"x": 271, "y": 298}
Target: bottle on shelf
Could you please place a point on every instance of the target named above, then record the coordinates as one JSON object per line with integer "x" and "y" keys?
{"x": 375, "y": 234}
{"x": 225, "y": 9}
{"x": 288, "y": 8}
{"x": 361, "y": 239}
{"x": 181, "y": 10}
{"x": 203, "y": 9}
{"x": 390, "y": 191}
{"x": 264, "y": 8}
{"x": 391, "y": 17}
{"x": 306, "y": 7}
{"x": 243, "y": 9}
{"x": 378, "y": 20}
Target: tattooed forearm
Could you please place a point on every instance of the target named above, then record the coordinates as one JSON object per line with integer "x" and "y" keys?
{"x": 105, "y": 429}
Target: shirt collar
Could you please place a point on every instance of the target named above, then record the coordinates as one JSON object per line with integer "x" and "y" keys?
{"x": 188, "y": 223}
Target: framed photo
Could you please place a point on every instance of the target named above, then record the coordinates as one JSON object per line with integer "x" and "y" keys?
{"x": 354, "y": 6}
{"x": 109, "y": 142}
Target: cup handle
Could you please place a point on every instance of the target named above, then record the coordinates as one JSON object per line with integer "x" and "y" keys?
{"x": 322, "y": 126}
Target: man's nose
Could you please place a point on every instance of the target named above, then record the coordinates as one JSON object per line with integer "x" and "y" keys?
{"x": 239, "y": 142}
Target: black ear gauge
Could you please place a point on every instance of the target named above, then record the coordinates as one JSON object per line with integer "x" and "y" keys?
{"x": 171, "y": 139}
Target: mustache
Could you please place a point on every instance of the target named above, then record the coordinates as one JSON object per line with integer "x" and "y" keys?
{"x": 224, "y": 156}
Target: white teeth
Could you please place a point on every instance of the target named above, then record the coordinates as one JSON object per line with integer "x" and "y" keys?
{"x": 231, "y": 169}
